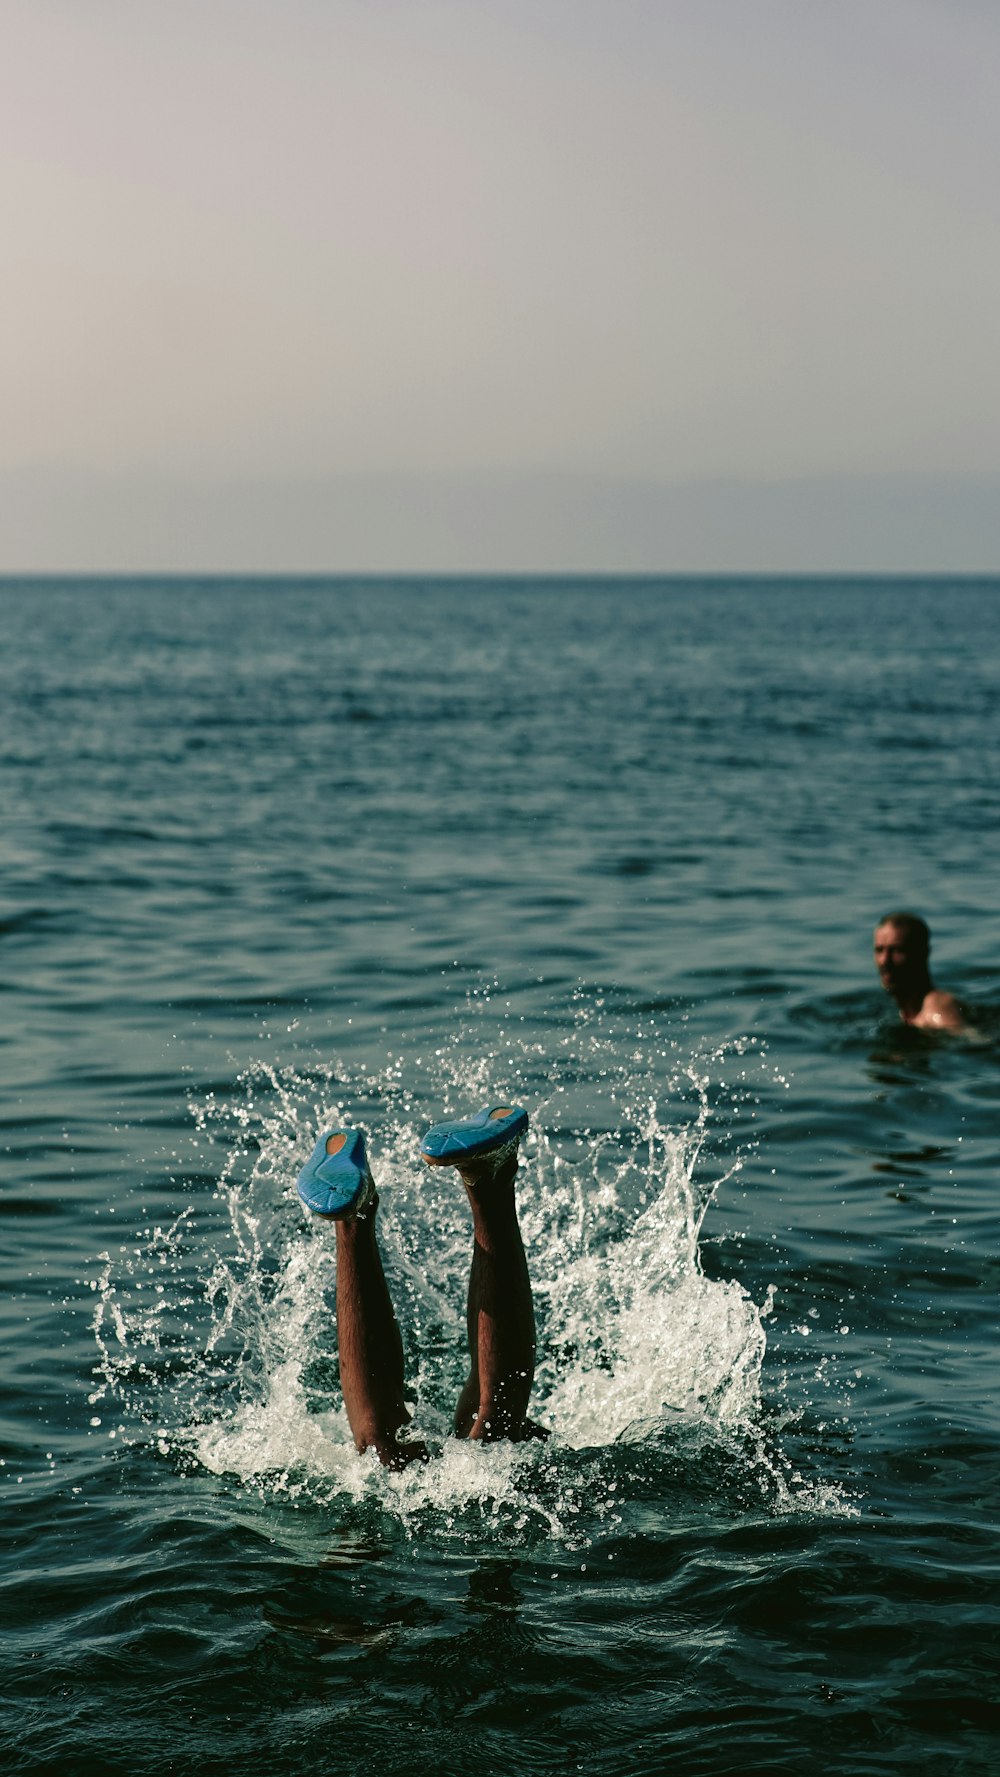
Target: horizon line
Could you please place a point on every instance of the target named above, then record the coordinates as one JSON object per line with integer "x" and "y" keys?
{"x": 323, "y": 576}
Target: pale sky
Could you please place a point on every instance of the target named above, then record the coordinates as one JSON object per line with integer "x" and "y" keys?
{"x": 472, "y": 284}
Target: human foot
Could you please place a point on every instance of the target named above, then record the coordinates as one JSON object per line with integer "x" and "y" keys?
{"x": 483, "y": 1147}
{"x": 336, "y": 1181}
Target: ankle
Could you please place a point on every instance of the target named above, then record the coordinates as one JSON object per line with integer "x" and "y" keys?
{"x": 356, "y": 1229}
{"x": 485, "y": 1179}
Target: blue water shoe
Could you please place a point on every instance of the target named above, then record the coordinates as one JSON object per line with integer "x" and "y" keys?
{"x": 494, "y": 1131}
{"x": 335, "y": 1181}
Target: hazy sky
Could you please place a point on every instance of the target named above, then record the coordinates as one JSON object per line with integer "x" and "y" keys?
{"x": 511, "y": 283}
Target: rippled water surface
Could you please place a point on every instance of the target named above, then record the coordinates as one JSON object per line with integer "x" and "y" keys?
{"x": 280, "y": 855}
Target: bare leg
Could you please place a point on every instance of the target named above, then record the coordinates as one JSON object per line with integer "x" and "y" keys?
{"x": 501, "y": 1318}
{"x": 371, "y": 1350}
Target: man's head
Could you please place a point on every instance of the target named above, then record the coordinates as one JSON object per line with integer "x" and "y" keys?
{"x": 902, "y": 946}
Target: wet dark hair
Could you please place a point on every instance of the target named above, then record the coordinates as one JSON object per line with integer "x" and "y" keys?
{"x": 914, "y": 929}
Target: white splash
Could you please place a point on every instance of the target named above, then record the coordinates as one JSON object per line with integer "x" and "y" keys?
{"x": 632, "y": 1336}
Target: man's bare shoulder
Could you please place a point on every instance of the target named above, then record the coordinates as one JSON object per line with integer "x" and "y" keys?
{"x": 940, "y": 1011}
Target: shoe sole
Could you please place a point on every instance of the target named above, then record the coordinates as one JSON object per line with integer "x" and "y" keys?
{"x": 494, "y": 1133}
{"x": 336, "y": 1183}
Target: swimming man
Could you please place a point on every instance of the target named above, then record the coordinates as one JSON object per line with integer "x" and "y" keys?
{"x": 336, "y": 1183}
{"x": 902, "y": 949}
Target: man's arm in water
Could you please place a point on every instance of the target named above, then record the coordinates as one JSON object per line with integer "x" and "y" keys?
{"x": 940, "y": 1011}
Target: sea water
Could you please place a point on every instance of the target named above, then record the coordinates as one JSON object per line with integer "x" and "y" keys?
{"x": 282, "y": 855}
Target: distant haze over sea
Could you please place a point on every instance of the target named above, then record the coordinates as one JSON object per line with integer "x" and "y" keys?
{"x": 65, "y": 520}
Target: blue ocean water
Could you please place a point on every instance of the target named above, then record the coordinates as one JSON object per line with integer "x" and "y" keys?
{"x": 286, "y": 853}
